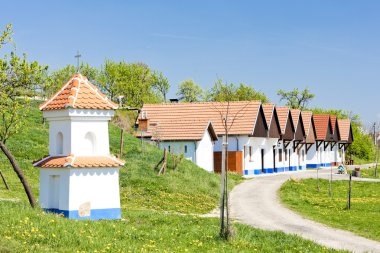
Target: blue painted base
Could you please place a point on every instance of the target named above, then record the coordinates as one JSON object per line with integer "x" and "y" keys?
{"x": 96, "y": 214}
{"x": 280, "y": 169}
{"x": 292, "y": 168}
{"x": 312, "y": 165}
{"x": 301, "y": 167}
{"x": 268, "y": 170}
{"x": 324, "y": 165}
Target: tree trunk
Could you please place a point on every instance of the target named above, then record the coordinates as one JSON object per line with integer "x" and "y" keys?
{"x": 5, "y": 181}
{"x": 222, "y": 189}
{"x": 121, "y": 143}
{"x": 19, "y": 173}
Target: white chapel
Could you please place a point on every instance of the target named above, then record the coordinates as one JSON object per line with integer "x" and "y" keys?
{"x": 79, "y": 178}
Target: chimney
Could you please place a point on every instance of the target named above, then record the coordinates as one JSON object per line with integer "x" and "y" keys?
{"x": 174, "y": 100}
{"x": 143, "y": 121}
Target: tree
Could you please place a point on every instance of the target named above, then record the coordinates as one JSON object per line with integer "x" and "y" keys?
{"x": 17, "y": 79}
{"x": 161, "y": 84}
{"x": 189, "y": 91}
{"x": 296, "y": 99}
{"x": 57, "y": 78}
{"x": 108, "y": 78}
{"x": 229, "y": 92}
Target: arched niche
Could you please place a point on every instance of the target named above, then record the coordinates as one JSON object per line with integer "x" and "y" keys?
{"x": 59, "y": 143}
{"x": 89, "y": 143}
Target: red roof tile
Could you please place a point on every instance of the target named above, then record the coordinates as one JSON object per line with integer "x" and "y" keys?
{"x": 321, "y": 122}
{"x": 344, "y": 129}
{"x": 268, "y": 112}
{"x": 78, "y": 162}
{"x": 295, "y": 117}
{"x": 306, "y": 119}
{"x": 245, "y": 113}
{"x": 283, "y": 116}
{"x": 78, "y": 93}
{"x": 333, "y": 122}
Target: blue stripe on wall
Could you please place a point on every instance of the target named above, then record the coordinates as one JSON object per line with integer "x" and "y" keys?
{"x": 292, "y": 168}
{"x": 268, "y": 170}
{"x": 312, "y": 165}
{"x": 96, "y": 214}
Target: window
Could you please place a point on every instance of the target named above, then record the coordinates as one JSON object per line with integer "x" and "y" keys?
{"x": 185, "y": 148}
{"x": 280, "y": 155}
{"x": 250, "y": 153}
{"x": 59, "y": 144}
{"x": 303, "y": 155}
{"x": 169, "y": 148}
{"x": 286, "y": 155}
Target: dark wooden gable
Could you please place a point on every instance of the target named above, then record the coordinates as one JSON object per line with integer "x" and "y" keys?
{"x": 336, "y": 134}
{"x": 300, "y": 131}
{"x": 274, "y": 128}
{"x": 329, "y": 134}
{"x": 310, "y": 138}
{"x": 350, "y": 136}
{"x": 261, "y": 128}
{"x": 289, "y": 129}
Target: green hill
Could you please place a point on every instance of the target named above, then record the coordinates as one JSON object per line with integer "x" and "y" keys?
{"x": 158, "y": 211}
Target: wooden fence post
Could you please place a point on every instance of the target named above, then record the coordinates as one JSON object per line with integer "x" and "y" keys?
{"x": 349, "y": 194}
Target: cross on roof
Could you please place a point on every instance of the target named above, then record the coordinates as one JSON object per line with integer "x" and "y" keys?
{"x": 78, "y": 56}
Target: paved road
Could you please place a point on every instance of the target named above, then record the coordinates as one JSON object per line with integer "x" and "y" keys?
{"x": 255, "y": 202}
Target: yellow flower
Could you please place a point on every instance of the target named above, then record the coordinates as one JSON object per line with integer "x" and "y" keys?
{"x": 53, "y": 235}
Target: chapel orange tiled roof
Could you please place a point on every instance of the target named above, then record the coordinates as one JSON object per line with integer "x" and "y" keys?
{"x": 283, "y": 116}
{"x": 245, "y": 113}
{"x": 306, "y": 119}
{"x": 268, "y": 109}
{"x": 321, "y": 122}
{"x": 78, "y": 162}
{"x": 344, "y": 129}
{"x": 78, "y": 93}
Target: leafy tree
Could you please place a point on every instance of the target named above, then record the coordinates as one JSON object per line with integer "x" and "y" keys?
{"x": 161, "y": 84}
{"x": 229, "y": 92}
{"x": 108, "y": 78}
{"x": 134, "y": 83}
{"x": 296, "y": 99}
{"x": 57, "y": 78}
{"x": 189, "y": 91}
{"x": 17, "y": 79}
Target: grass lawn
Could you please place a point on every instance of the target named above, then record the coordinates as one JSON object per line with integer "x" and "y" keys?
{"x": 150, "y": 207}
{"x": 24, "y": 229}
{"x": 363, "y": 218}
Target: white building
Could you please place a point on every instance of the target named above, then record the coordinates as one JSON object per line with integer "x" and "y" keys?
{"x": 318, "y": 155}
{"x": 298, "y": 157}
{"x": 284, "y": 149}
{"x": 79, "y": 178}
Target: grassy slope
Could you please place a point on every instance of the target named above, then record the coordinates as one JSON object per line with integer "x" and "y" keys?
{"x": 363, "y": 218}
{"x": 147, "y": 201}
{"x": 369, "y": 173}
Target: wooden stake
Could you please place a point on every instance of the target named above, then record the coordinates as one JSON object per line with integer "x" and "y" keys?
{"x": 163, "y": 167}
{"x": 349, "y": 194}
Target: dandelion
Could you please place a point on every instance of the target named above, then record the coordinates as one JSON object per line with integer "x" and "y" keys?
{"x": 53, "y": 235}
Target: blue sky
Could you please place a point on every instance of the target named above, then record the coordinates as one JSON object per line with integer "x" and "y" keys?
{"x": 331, "y": 47}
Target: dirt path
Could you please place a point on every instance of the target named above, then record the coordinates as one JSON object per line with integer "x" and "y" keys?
{"x": 255, "y": 202}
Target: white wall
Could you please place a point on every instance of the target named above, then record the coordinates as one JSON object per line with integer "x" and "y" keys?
{"x": 99, "y": 187}
{"x": 199, "y": 152}
{"x": 74, "y": 124}
{"x": 205, "y": 153}
{"x": 178, "y": 147}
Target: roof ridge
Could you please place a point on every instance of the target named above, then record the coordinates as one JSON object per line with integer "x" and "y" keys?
{"x": 56, "y": 94}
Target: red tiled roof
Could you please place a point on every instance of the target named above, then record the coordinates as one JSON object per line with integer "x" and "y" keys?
{"x": 295, "y": 117}
{"x": 180, "y": 130}
{"x": 268, "y": 112}
{"x": 78, "y": 162}
{"x": 344, "y": 129}
{"x": 306, "y": 119}
{"x": 245, "y": 113}
{"x": 283, "y": 115}
{"x": 321, "y": 122}
{"x": 78, "y": 93}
